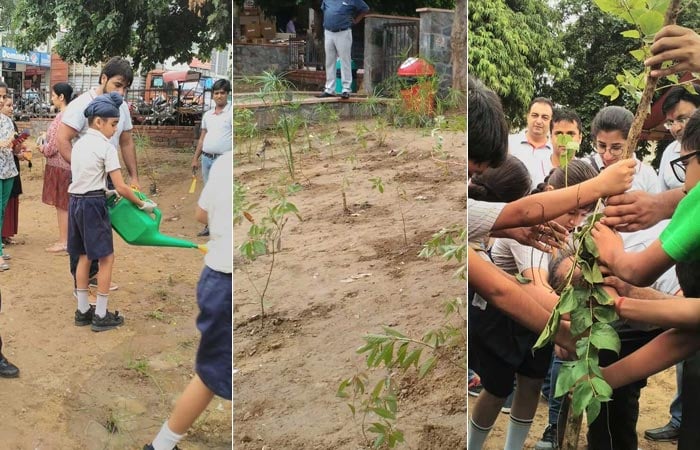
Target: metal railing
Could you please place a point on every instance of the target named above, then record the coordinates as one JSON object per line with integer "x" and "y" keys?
{"x": 399, "y": 41}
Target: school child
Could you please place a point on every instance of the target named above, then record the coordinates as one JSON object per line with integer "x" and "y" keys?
{"x": 89, "y": 227}
{"x": 214, "y": 297}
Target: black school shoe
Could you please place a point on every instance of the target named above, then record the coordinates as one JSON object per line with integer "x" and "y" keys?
{"x": 109, "y": 321}
{"x": 325, "y": 94}
{"x": 345, "y": 95}
{"x": 7, "y": 369}
{"x": 83, "y": 319}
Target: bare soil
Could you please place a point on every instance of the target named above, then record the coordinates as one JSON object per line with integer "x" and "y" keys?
{"x": 112, "y": 390}
{"x": 342, "y": 274}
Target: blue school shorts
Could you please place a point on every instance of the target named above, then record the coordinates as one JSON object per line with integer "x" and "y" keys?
{"x": 215, "y": 322}
{"x": 89, "y": 227}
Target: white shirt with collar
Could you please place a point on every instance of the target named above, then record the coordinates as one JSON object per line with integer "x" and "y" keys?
{"x": 667, "y": 180}
{"x": 219, "y": 126}
{"x": 93, "y": 157}
{"x": 537, "y": 160}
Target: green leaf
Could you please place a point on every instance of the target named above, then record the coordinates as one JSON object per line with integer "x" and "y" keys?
{"x": 582, "y": 347}
{"x": 638, "y": 54}
{"x": 608, "y": 90}
{"x": 392, "y": 332}
{"x": 592, "y": 410}
{"x": 568, "y": 301}
{"x": 688, "y": 87}
{"x": 549, "y": 330}
{"x": 426, "y": 366}
{"x": 385, "y": 413}
{"x": 603, "y": 336}
{"x": 602, "y": 297}
{"x": 605, "y": 314}
{"x": 650, "y": 22}
{"x": 387, "y": 354}
{"x": 580, "y": 321}
{"x": 583, "y": 394}
{"x": 592, "y": 273}
{"x": 658, "y": 5}
{"x": 565, "y": 380}
{"x": 521, "y": 279}
{"x": 634, "y": 34}
{"x": 412, "y": 358}
{"x": 601, "y": 387}
{"x": 589, "y": 243}
{"x": 378, "y": 388}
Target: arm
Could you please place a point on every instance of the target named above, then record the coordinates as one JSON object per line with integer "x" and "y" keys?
{"x": 198, "y": 149}
{"x": 124, "y": 190}
{"x": 543, "y": 237}
{"x": 667, "y": 313}
{"x": 201, "y": 215}
{"x": 639, "y": 268}
{"x": 359, "y": 17}
{"x": 625, "y": 289}
{"x": 64, "y": 137}
{"x": 638, "y": 210}
{"x": 660, "y": 353}
{"x": 499, "y": 290}
{"x": 675, "y": 43}
{"x": 545, "y": 206}
{"x": 128, "y": 149}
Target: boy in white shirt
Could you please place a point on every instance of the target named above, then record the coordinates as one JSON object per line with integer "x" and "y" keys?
{"x": 89, "y": 227}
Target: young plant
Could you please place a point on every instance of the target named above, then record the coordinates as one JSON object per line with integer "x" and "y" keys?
{"x": 378, "y": 184}
{"x": 245, "y": 128}
{"x": 147, "y": 166}
{"x": 265, "y": 237}
{"x": 380, "y": 128}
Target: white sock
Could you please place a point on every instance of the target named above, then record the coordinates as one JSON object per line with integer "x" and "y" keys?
{"x": 83, "y": 302}
{"x": 101, "y": 308}
{"x": 166, "y": 438}
{"x": 476, "y": 435}
{"x": 517, "y": 433}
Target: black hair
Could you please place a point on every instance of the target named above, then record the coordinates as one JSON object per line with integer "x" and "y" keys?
{"x": 222, "y": 84}
{"x": 566, "y": 115}
{"x": 64, "y": 89}
{"x": 545, "y": 100}
{"x": 612, "y": 118}
{"x": 557, "y": 275}
{"x": 678, "y": 94}
{"x": 118, "y": 66}
{"x": 577, "y": 171}
{"x": 687, "y": 273}
{"x": 691, "y": 133}
{"x": 487, "y": 133}
{"x": 505, "y": 183}
{"x": 3, "y": 85}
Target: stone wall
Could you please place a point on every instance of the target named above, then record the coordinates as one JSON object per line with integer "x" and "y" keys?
{"x": 253, "y": 59}
{"x": 374, "y": 50}
{"x": 435, "y": 33}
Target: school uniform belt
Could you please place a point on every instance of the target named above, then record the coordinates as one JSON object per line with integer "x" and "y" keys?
{"x": 211, "y": 155}
{"x": 96, "y": 193}
{"x": 338, "y": 30}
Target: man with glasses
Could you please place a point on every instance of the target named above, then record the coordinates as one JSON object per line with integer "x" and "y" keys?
{"x": 679, "y": 105}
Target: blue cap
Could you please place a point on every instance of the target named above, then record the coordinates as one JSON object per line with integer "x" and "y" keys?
{"x": 105, "y": 105}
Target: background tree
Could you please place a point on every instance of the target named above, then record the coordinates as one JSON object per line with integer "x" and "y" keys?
{"x": 459, "y": 47}
{"x": 402, "y": 8}
{"x": 514, "y": 49}
{"x": 147, "y": 31}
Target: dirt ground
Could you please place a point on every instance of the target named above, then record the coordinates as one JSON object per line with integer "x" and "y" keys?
{"x": 112, "y": 390}
{"x": 653, "y": 413}
{"x": 342, "y": 275}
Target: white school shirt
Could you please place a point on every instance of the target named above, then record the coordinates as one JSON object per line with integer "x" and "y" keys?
{"x": 73, "y": 116}
{"x": 667, "y": 180}
{"x": 219, "y": 126}
{"x": 537, "y": 160}
{"x": 217, "y": 200}
{"x": 480, "y": 219}
{"x": 92, "y": 158}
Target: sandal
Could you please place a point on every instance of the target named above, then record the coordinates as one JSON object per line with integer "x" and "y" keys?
{"x": 4, "y": 266}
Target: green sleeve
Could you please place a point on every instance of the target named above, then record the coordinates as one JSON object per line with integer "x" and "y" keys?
{"x": 681, "y": 238}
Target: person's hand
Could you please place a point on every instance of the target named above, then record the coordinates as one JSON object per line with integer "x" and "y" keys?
{"x": 563, "y": 353}
{"x": 109, "y": 193}
{"x": 148, "y": 206}
{"x": 135, "y": 184}
{"x": 195, "y": 164}
{"x": 632, "y": 211}
{"x": 617, "y": 178}
{"x": 619, "y": 288}
{"x": 675, "y": 43}
{"x": 608, "y": 242}
{"x": 544, "y": 237}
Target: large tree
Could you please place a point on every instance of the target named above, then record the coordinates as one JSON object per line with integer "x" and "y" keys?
{"x": 514, "y": 48}
{"x": 147, "y": 31}
{"x": 459, "y": 47}
{"x": 404, "y": 7}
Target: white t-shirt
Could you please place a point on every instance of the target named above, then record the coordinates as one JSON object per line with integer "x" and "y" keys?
{"x": 537, "y": 160}
{"x": 93, "y": 157}
{"x": 73, "y": 116}
{"x": 219, "y": 137}
{"x": 480, "y": 219}
{"x": 217, "y": 200}
{"x": 667, "y": 180}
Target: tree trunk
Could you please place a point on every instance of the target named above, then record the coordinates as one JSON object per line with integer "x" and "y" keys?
{"x": 459, "y": 47}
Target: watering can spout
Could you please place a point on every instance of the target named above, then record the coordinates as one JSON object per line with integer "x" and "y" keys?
{"x": 138, "y": 227}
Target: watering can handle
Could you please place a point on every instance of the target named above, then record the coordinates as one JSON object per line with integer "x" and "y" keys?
{"x": 157, "y": 213}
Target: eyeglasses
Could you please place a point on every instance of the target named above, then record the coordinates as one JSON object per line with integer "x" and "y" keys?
{"x": 679, "y": 165}
{"x": 615, "y": 150}
{"x": 680, "y": 121}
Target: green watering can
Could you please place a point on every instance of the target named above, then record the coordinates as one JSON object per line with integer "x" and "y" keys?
{"x": 137, "y": 227}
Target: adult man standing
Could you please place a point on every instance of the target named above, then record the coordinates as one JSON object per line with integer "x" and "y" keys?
{"x": 338, "y": 18}
{"x": 116, "y": 76}
{"x": 532, "y": 146}
{"x": 216, "y": 136}
{"x": 678, "y": 106}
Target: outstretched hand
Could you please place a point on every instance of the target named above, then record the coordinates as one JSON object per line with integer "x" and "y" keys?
{"x": 632, "y": 211}
{"x": 618, "y": 177}
{"x": 608, "y": 242}
{"x": 678, "y": 44}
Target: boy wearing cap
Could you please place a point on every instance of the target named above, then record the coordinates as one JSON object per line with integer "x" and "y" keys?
{"x": 89, "y": 228}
